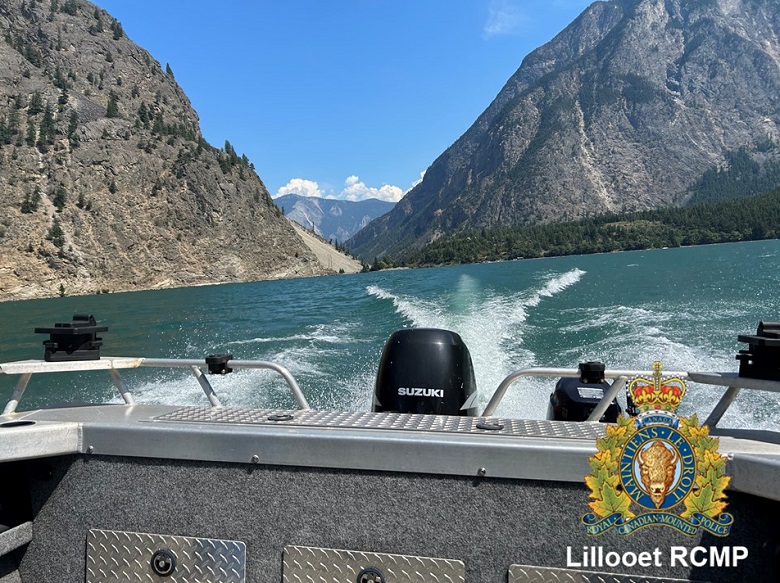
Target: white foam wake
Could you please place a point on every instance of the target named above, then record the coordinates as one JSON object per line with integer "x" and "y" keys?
{"x": 420, "y": 313}
{"x": 556, "y": 285}
{"x": 491, "y": 324}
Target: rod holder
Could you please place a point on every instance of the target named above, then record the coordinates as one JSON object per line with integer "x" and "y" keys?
{"x": 217, "y": 363}
{"x": 762, "y": 359}
{"x": 75, "y": 340}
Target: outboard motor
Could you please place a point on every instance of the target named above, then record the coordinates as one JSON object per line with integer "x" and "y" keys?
{"x": 426, "y": 370}
{"x": 575, "y": 398}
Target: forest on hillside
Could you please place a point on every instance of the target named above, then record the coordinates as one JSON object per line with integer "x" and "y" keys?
{"x": 739, "y": 176}
{"x": 744, "y": 219}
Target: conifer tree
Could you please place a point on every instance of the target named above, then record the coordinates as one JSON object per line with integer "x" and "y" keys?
{"x": 27, "y": 204}
{"x": 73, "y": 125}
{"x": 60, "y": 197}
{"x": 36, "y": 104}
{"x": 143, "y": 115}
{"x": 159, "y": 124}
{"x": 35, "y": 199}
{"x": 112, "y": 109}
{"x": 46, "y": 130}
{"x": 59, "y": 79}
{"x": 13, "y": 125}
{"x": 70, "y": 7}
{"x": 117, "y": 28}
{"x": 31, "y": 134}
{"x": 56, "y": 235}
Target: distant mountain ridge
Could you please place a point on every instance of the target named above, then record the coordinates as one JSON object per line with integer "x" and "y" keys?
{"x": 626, "y": 109}
{"x": 331, "y": 219}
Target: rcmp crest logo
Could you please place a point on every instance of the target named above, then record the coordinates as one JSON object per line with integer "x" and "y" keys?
{"x": 657, "y": 468}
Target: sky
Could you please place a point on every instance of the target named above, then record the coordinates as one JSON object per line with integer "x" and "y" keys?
{"x": 347, "y": 99}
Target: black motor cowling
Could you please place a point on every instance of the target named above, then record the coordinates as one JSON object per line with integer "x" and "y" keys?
{"x": 426, "y": 370}
{"x": 575, "y": 398}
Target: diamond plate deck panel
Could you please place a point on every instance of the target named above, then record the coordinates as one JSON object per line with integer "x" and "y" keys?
{"x": 386, "y": 421}
{"x": 121, "y": 557}
{"x": 318, "y": 565}
{"x": 532, "y": 574}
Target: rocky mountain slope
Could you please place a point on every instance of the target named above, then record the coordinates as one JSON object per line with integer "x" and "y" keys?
{"x": 105, "y": 180}
{"x": 333, "y": 220}
{"x": 329, "y": 257}
{"x": 624, "y": 110}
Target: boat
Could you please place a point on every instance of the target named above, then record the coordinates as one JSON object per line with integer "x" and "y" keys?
{"x": 162, "y": 493}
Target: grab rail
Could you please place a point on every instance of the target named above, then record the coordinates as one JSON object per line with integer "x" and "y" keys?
{"x": 26, "y": 368}
{"x": 733, "y": 381}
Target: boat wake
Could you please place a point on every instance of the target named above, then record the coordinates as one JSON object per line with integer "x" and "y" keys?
{"x": 544, "y": 321}
{"x": 491, "y": 324}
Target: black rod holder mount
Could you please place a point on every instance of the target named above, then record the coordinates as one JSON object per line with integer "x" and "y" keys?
{"x": 75, "y": 340}
{"x": 762, "y": 359}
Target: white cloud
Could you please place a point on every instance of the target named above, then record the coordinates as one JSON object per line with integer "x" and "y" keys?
{"x": 418, "y": 181}
{"x": 354, "y": 189}
{"x": 300, "y": 187}
{"x": 504, "y": 17}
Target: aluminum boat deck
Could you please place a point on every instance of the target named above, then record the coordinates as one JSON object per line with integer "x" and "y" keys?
{"x": 305, "y": 495}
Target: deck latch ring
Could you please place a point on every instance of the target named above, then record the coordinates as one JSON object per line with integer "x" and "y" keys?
{"x": 163, "y": 562}
{"x": 370, "y": 575}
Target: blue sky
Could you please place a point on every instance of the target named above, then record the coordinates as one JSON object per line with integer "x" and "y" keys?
{"x": 341, "y": 98}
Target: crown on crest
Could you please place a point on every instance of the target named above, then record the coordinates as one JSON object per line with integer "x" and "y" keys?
{"x": 664, "y": 394}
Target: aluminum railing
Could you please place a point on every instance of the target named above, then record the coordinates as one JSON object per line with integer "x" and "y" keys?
{"x": 733, "y": 381}
{"x": 113, "y": 364}
{"x": 27, "y": 368}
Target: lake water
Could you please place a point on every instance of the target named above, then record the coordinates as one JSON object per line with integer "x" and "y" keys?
{"x": 683, "y": 306}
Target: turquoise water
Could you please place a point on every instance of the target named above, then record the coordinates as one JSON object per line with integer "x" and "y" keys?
{"x": 684, "y": 307}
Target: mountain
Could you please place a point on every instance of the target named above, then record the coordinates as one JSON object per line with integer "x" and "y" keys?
{"x": 626, "y": 109}
{"x": 106, "y": 182}
{"x": 327, "y": 254}
{"x": 336, "y": 220}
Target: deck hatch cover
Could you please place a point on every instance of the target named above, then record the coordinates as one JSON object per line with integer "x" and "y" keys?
{"x": 121, "y": 557}
{"x": 532, "y": 574}
{"x": 313, "y": 564}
